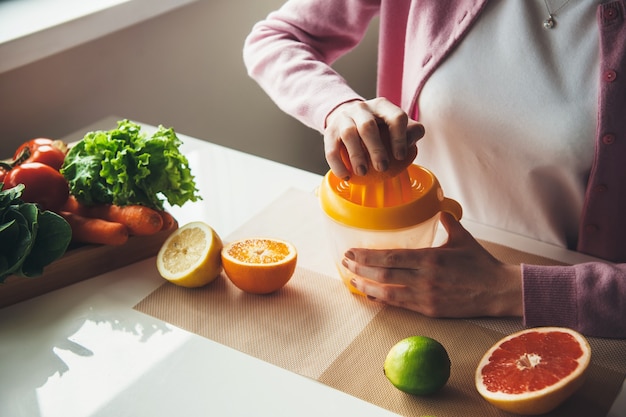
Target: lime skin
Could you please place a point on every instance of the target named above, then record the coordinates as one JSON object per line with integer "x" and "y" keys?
{"x": 417, "y": 365}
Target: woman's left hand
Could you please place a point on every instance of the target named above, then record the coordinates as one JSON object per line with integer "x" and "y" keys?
{"x": 457, "y": 279}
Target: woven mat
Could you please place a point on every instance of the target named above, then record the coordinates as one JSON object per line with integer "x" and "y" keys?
{"x": 316, "y": 328}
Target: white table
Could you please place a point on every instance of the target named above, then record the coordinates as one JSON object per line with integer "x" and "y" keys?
{"x": 84, "y": 351}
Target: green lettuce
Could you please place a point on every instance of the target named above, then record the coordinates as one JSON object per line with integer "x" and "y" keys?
{"x": 124, "y": 166}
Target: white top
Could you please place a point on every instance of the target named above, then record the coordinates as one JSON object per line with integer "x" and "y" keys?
{"x": 513, "y": 113}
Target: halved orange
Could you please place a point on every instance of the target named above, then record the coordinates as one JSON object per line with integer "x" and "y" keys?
{"x": 259, "y": 265}
{"x": 533, "y": 371}
{"x": 395, "y": 168}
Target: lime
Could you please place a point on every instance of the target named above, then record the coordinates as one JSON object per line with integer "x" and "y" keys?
{"x": 417, "y": 365}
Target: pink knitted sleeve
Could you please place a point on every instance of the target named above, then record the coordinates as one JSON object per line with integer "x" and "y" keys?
{"x": 289, "y": 54}
{"x": 589, "y": 297}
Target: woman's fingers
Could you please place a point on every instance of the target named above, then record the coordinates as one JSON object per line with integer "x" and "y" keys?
{"x": 458, "y": 279}
{"x": 355, "y": 135}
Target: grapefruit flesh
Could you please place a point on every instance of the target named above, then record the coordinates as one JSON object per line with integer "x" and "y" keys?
{"x": 533, "y": 371}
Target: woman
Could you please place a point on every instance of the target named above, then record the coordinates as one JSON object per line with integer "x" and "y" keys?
{"x": 521, "y": 103}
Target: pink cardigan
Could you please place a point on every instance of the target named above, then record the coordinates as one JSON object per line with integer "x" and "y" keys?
{"x": 289, "y": 55}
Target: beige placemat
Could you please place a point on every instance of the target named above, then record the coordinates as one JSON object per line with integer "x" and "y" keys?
{"x": 316, "y": 328}
{"x": 303, "y": 327}
{"x": 358, "y": 370}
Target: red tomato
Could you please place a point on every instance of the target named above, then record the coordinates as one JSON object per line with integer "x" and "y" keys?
{"x": 44, "y": 150}
{"x": 3, "y": 172}
{"x": 43, "y": 185}
{"x": 32, "y": 145}
{"x": 49, "y": 155}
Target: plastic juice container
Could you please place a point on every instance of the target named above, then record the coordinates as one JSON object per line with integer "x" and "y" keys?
{"x": 400, "y": 212}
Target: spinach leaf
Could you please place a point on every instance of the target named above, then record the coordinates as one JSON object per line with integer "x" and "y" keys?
{"x": 30, "y": 238}
{"x": 53, "y": 237}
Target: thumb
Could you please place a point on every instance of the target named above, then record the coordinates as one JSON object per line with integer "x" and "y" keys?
{"x": 454, "y": 228}
{"x": 414, "y": 132}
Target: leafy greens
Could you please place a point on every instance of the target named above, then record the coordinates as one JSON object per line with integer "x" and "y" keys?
{"x": 124, "y": 166}
{"x": 30, "y": 238}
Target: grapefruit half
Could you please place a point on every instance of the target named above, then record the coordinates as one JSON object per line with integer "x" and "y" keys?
{"x": 533, "y": 371}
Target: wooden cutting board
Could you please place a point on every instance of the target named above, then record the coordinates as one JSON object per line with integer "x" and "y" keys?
{"x": 81, "y": 263}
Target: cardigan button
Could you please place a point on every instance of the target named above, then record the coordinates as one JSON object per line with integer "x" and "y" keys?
{"x": 609, "y": 76}
{"x": 608, "y": 139}
{"x": 610, "y": 13}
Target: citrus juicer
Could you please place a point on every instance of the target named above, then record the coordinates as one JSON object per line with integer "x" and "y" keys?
{"x": 398, "y": 208}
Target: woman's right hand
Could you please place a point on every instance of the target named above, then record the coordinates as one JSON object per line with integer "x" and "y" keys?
{"x": 352, "y": 127}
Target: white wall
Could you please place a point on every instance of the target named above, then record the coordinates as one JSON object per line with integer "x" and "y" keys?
{"x": 183, "y": 69}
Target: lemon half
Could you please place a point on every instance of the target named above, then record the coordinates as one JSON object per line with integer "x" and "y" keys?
{"x": 190, "y": 257}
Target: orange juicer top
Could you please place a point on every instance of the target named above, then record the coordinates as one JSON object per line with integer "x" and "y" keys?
{"x": 384, "y": 202}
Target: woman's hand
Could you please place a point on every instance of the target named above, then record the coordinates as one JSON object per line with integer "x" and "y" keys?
{"x": 354, "y": 126}
{"x": 457, "y": 279}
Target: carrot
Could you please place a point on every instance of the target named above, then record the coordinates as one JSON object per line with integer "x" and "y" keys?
{"x": 72, "y": 205}
{"x": 91, "y": 230}
{"x": 140, "y": 220}
{"x": 169, "y": 222}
